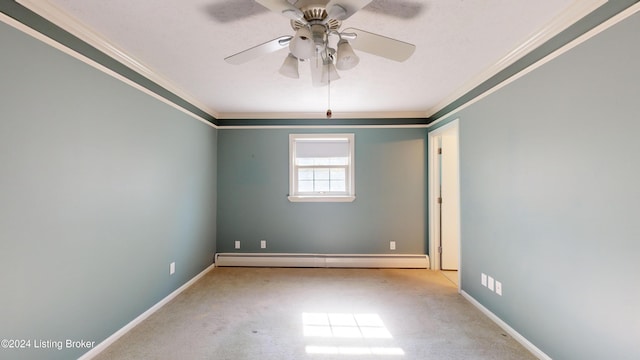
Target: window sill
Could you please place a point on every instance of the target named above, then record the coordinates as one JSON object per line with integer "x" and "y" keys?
{"x": 310, "y": 198}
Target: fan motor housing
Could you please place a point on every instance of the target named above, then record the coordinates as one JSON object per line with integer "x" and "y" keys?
{"x": 316, "y": 14}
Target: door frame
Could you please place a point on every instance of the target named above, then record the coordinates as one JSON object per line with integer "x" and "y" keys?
{"x": 434, "y": 184}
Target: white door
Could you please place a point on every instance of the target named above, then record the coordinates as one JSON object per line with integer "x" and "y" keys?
{"x": 449, "y": 200}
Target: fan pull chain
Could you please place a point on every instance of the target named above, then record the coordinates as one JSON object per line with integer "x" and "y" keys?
{"x": 329, "y": 98}
{"x": 328, "y": 88}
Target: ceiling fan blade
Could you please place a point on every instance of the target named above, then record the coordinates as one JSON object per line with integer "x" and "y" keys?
{"x": 350, "y": 7}
{"x": 259, "y": 50}
{"x": 404, "y": 9}
{"x": 227, "y": 11}
{"x": 381, "y": 45}
{"x": 282, "y": 7}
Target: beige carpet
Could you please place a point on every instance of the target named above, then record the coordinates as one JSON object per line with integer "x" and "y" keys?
{"x": 279, "y": 314}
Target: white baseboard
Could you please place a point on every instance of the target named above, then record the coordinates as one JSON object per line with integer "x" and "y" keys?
{"x": 115, "y": 336}
{"x": 405, "y": 261}
{"x": 514, "y": 334}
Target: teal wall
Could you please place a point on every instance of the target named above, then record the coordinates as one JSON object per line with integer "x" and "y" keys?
{"x": 550, "y": 199}
{"x": 390, "y": 204}
{"x": 101, "y": 187}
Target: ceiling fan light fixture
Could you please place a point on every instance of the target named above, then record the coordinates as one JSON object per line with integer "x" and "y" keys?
{"x": 302, "y": 46}
{"x": 289, "y": 67}
{"x": 316, "y": 25}
{"x": 347, "y": 59}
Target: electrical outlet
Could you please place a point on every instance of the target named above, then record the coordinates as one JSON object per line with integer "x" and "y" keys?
{"x": 172, "y": 268}
{"x": 392, "y": 245}
{"x": 263, "y": 244}
{"x": 237, "y": 244}
{"x": 490, "y": 283}
{"x": 483, "y": 279}
{"x": 499, "y": 288}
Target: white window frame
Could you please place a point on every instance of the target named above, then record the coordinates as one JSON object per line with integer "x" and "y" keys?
{"x": 295, "y": 196}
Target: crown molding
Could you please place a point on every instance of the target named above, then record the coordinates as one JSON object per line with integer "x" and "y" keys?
{"x": 70, "y": 24}
{"x": 301, "y": 122}
{"x": 316, "y": 126}
{"x": 632, "y": 10}
{"x": 576, "y": 11}
{"x": 322, "y": 115}
{"x": 51, "y": 42}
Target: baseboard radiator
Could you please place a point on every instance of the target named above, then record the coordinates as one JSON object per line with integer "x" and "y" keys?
{"x": 406, "y": 261}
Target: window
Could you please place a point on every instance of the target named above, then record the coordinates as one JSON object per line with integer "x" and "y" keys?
{"x": 321, "y": 167}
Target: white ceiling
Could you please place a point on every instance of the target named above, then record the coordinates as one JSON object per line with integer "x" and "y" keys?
{"x": 459, "y": 43}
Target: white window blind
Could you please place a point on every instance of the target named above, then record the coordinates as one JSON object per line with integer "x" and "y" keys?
{"x": 322, "y": 148}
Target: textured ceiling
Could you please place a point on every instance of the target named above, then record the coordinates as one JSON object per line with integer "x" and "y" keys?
{"x": 458, "y": 44}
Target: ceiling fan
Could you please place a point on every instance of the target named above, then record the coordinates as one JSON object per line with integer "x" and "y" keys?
{"x": 319, "y": 42}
